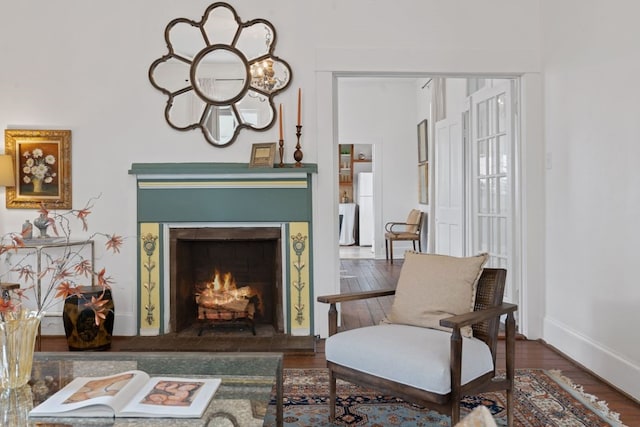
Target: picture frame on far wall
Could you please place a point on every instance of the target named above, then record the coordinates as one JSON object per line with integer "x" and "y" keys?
{"x": 262, "y": 155}
{"x": 42, "y": 167}
{"x": 423, "y": 183}
{"x": 423, "y": 141}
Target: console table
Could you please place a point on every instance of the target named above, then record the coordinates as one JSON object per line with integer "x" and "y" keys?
{"x": 242, "y": 399}
{"x": 40, "y": 246}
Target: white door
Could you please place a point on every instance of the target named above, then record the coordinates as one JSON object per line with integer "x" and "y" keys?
{"x": 492, "y": 180}
{"x": 449, "y": 191}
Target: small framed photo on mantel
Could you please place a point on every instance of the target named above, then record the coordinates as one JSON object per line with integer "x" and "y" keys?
{"x": 263, "y": 155}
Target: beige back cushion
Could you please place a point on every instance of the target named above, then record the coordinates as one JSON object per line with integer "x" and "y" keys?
{"x": 413, "y": 221}
{"x": 432, "y": 287}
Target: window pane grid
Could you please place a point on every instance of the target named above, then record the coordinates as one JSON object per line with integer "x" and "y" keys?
{"x": 503, "y": 190}
{"x": 502, "y": 154}
{"x": 493, "y": 199}
{"x": 502, "y": 113}
{"x": 482, "y": 157}
{"x": 482, "y": 119}
{"x": 483, "y": 196}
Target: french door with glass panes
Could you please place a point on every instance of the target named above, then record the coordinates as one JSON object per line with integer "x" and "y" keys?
{"x": 491, "y": 210}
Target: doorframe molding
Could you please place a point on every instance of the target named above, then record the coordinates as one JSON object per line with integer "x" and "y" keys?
{"x": 532, "y": 189}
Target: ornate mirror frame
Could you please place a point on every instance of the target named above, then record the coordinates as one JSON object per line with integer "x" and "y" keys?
{"x": 220, "y": 74}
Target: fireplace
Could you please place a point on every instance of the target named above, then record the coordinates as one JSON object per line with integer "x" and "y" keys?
{"x": 217, "y": 273}
{"x": 262, "y": 217}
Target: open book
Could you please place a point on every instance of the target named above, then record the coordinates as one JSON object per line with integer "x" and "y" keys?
{"x": 130, "y": 394}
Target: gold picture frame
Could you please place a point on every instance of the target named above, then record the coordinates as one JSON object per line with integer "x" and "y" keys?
{"x": 423, "y": 141}
{"x": 42, "y": 167}
{"x": 263, "y": 155}
{"x": 423, "y": 183}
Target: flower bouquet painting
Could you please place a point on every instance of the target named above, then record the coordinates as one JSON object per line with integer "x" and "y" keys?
{"x": 42, "y": 167}
{"x": 47, "y": 275}
{"x": 39, "y": 166}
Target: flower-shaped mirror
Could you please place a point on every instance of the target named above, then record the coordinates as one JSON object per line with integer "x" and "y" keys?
{"x": 220, "y": 74}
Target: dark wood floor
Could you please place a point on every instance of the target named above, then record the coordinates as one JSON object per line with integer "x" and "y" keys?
{"x": 363, "y": 275}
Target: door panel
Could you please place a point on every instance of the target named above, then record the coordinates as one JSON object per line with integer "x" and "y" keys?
{"x": 449, "y": 194}
{"x": 491, "y": 181}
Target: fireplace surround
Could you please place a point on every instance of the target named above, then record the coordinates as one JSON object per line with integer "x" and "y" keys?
{"x": 207, "y": 202}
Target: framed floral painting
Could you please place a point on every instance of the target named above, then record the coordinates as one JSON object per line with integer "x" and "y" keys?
{"x": 42, "y": 167}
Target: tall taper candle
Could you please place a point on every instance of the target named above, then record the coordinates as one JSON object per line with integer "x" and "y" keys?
{"x": 299, "y": 102}
{"x": 280, "y": 121}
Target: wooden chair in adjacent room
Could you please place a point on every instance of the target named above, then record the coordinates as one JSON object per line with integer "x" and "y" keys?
{"x": 433, "y": 366}
{"x": 403, "y": 231}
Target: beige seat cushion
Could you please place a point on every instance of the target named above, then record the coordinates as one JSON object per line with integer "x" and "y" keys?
{"x": 417, "y": 357}
{"x": 401, "y": 236}
{"x": 433, "y": 287}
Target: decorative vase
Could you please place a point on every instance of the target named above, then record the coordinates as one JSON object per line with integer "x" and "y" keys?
{"x": 37, "y": 185}
{"x": 80, "y": 324}
{"x": 41, "y": 224}
{"x": 15, "y": 404}
{"x": 18, "y": 332}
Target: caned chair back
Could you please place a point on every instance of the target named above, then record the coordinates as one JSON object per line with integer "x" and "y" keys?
{"x": 489, "y": 293}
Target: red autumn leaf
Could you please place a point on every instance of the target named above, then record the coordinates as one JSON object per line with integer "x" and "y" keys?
{"x": 114, "y": 243}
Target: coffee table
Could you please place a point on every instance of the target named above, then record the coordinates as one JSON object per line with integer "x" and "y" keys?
{"x": 248, "y": 380}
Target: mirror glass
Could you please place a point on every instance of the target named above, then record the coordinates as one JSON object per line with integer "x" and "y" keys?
{"x": 220, "y": 74}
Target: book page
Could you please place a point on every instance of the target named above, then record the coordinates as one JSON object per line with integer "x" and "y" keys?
{"x": 172, "y": 397}
{"x": 92, "y": 396}
{"x": 100, "y": 387}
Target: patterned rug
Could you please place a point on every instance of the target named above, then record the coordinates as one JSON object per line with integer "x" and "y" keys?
{"x": 544, "y": 398}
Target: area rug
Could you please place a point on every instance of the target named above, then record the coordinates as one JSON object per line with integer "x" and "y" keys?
{"x": 543, "y": 398}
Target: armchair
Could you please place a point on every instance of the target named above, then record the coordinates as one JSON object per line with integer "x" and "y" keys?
{"x": 403, "y": 231}
{"x": 430, "y": 367}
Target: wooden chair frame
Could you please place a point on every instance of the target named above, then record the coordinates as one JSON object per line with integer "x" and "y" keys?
{"x": 485, "y": 322}
{"x": 392, "y": 234}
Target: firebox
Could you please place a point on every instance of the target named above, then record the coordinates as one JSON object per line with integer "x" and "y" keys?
{"x": 225, "y": 275}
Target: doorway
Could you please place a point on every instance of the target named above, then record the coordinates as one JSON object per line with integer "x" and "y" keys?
{"x": 463, "y": 230}
{"x": 357, "y": 192}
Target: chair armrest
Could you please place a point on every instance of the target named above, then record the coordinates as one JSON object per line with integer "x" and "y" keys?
{"x": 455, "y": 358}
{"x": 389, "y": 226}
{"x": 353, "y": 296}
{"x": 477, "y": 316}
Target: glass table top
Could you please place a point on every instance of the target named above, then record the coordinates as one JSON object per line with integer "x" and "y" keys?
{"x": 248, "y": 381}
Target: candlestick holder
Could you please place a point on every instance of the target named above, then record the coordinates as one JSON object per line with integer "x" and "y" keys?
{"x": 281, "y": 151}
{"x": 297, "y": 155}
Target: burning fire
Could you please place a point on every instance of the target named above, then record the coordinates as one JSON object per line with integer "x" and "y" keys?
{"x": 222, "y": 291}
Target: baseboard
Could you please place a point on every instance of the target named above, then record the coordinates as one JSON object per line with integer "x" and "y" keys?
{"x": 602, "y": 362}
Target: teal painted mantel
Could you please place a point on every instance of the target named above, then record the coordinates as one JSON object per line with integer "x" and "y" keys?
{"x": 224, "y": 192}
{"x": 213, "y": 195}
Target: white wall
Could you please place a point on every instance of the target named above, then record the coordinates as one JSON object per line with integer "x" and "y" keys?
{"x": 591, "y": 66}
{"x": 83, "y": 66}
